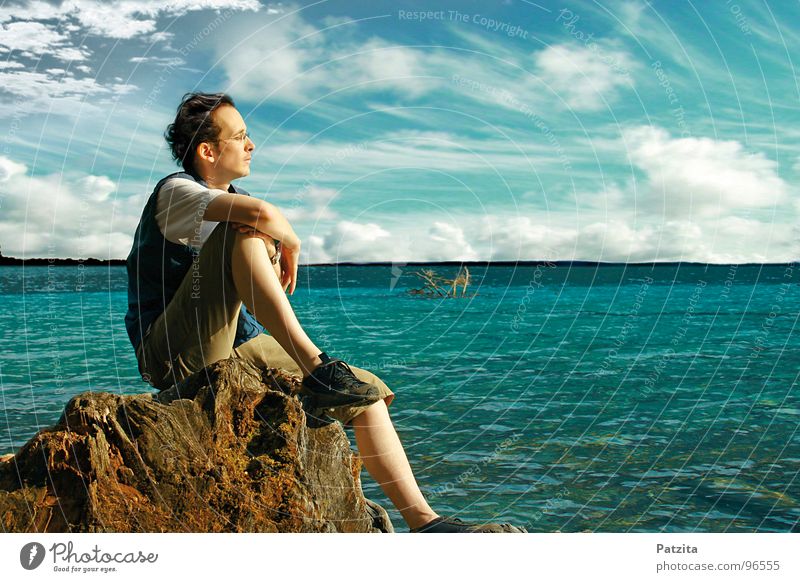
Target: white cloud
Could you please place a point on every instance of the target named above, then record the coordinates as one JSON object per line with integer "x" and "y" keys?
{"x": 334, "y": 161}
{"x": 57, "y": 94}
{"x": 395, "y": 67}
{"x": 32, "y": 30}
{"x": 312, "y": 204}
{"x": 112, "y": 20}
{"x": 120, "y": 19}
{"x": 701, "y": 176}
{"x": 69, "y": 54}
{"x": 586, "y": 79}
{"x": 313, "y": 251}
{"x": 10, "y": 168}
{"x": 709, "y": 185}
{"x": 75, "y": 221}
{"x": 290, "y": 60}
{"x": 161, "y": 36}
{"x": 497, "y": 237}
{"x": 54, "y": 215}
{"x": 33, "y": 38}
{"x": 450, "y": 242}
{"x": 98, "y": 188}
{"x": 160, "y": 61}
{"x": 612, "y": 240}
{"x": 357, "y": 242}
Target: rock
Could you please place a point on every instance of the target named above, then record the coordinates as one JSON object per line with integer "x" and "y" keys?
{"x": 228, "y": 450}
{"x": 500, "y": 528}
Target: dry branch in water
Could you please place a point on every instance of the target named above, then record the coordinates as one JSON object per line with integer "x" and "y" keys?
{"x": 437, "y": 286}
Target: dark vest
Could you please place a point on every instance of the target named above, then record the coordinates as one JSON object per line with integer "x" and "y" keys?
{"x": 156, "y": 268}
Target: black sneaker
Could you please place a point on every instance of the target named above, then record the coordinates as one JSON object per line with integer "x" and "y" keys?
{"x": 444, "y": 524}
{"x": 333, "y": 384}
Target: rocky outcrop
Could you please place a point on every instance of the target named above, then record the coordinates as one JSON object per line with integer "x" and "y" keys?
{"x": 228, "y": 450}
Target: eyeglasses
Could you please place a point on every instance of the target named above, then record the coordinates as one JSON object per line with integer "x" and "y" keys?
{"x": 241, "y": 138}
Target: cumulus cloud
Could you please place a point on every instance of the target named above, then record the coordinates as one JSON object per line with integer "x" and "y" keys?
{"x": 586, "y": 79}
{"x": 450, "y": 242}
{"x": 97, "y": 188}
{"x": 288, "y": 59}
{"x": 497, "y": 237}
{"x": 724, "y": 240}
{"x": 691, "y": 177}
{"x": 314, "y": 252}
{"x": 694, "y": 199}
{"x": 74, "y": 221}
{"x": 357, "y": 242}
{"x": 55, "y": 216}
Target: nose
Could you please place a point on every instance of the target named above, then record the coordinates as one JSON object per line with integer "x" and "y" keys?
{"x": 249, "y": 145}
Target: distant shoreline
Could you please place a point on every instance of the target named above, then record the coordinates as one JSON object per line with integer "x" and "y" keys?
{"x": 15, "y": 262}
{"x": 91, "y": 262}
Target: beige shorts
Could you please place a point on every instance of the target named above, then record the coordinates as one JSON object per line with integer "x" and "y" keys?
{"x": 199, "y": 325}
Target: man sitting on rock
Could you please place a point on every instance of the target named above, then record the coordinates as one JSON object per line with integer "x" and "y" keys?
{"x": 210, "y": 266}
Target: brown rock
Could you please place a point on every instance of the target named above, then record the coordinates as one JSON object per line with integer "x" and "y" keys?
{"x": 228, "y": 450}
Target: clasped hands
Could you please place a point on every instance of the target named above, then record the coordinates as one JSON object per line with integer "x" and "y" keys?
{"x": 286, "y": 269}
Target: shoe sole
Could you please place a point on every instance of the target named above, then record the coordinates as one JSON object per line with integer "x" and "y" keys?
{"x": 316, "y": 417}
{"x": 324, "y": 401}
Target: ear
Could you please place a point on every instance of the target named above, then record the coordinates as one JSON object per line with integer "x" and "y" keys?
{"x": 205, "y": 151}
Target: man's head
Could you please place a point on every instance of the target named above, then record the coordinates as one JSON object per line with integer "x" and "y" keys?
{"x": 209, "y": 138}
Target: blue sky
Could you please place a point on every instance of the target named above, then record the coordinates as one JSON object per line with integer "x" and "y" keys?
{"x": 413, "y": 131}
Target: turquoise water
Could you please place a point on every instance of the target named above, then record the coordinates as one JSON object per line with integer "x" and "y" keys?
{"x": 558, "y": 398}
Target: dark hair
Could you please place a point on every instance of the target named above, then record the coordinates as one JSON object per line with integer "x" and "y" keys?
{"x": 193, "y": 125}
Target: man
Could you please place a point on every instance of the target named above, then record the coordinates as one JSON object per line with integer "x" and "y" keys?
{"x": 208, "y": 272}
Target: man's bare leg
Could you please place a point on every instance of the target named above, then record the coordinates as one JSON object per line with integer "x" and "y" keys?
{"x": 258, "y": 286}
{"x": 385, "y": 460}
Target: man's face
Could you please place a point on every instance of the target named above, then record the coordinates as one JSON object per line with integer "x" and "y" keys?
{"x": 233, "y": 148}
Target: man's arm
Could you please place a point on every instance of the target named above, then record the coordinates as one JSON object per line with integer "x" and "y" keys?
{"x": 261, "y": 215}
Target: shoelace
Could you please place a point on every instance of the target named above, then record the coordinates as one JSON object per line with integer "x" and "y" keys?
{"x": 337, "y": 363}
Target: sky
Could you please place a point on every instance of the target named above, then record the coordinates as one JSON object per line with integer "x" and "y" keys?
{"x": 401, "y": 131}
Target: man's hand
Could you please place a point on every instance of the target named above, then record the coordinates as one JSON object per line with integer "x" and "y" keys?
{"x": 286, "y": 269}
{"x": 289, "y": 261}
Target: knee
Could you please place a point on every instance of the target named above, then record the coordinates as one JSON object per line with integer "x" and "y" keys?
{"x": 373, "y": 415}
{"x": 239, "y": 238}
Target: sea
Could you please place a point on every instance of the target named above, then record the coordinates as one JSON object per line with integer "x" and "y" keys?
{"x": 557, "y": 397}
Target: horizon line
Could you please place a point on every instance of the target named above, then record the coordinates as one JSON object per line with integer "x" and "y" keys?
{"x": 94, "y": 262}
